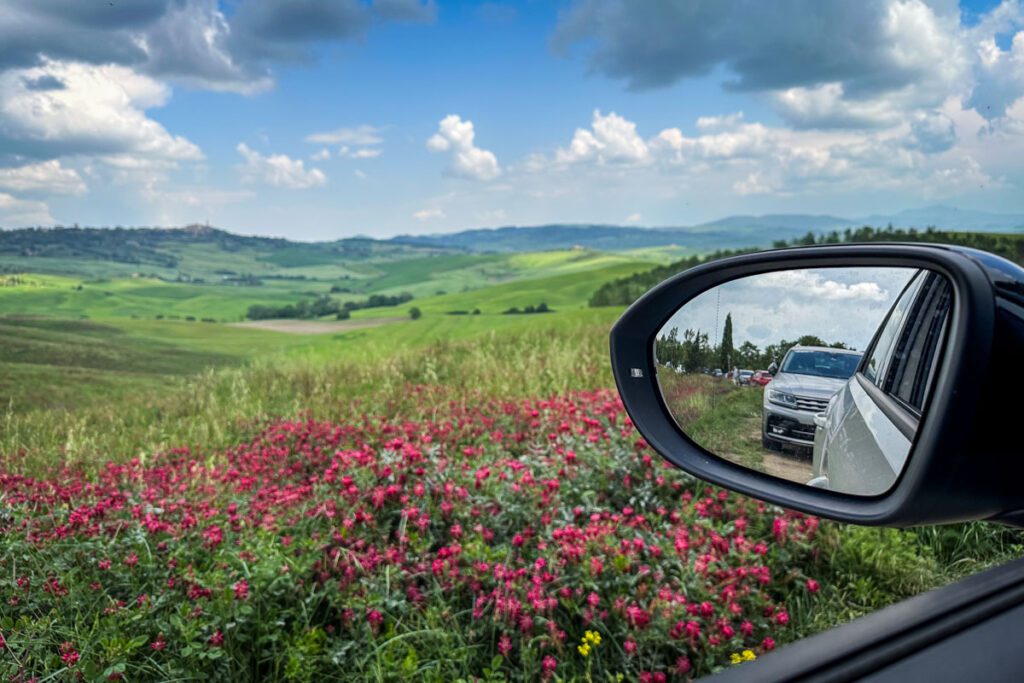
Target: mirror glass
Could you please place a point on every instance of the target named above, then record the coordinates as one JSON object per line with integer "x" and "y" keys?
{"x": 819, "y": 375}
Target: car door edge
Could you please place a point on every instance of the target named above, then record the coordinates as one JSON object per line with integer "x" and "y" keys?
{"x": 870, "y": 643}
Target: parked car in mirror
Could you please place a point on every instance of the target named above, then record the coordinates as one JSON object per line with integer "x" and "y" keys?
{"x": 807, "y": 378}
{"x": 742, "y": 377}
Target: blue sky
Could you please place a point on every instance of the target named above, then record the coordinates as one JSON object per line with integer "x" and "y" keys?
{"x": 317, "y": 119}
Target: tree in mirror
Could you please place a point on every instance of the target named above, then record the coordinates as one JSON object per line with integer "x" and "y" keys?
{"x": 818, "y": 376}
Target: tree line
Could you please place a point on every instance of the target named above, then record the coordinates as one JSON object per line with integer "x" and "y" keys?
{"x": 324, "y": 305}
{"x": 626, "y": 290}
{"x": 691, "y": 351}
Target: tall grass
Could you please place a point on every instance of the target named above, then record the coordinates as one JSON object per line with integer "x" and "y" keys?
{"x": 221, "y": 406}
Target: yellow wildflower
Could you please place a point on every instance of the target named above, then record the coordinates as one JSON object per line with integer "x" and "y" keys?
{"x": 740, "y": 657}
{"x": 584, "y": 649}
{"x": 592, "y": 638}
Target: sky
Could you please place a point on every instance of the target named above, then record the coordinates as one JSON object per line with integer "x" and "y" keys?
{"x": 834, "y": 304}
{"x": 320, "y": 119}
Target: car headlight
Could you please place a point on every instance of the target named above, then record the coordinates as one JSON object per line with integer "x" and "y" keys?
{"x": 782, "y": 398}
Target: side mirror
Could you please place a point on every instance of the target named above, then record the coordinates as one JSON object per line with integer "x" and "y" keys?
{"x": 889, "y": 408}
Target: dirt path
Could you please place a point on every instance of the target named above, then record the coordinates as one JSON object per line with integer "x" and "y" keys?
{"x": 315, "y": 326}
{"x": 787, "y": 466}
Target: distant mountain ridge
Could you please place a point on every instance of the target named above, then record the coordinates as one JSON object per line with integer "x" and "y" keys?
{"x": 731, "y": 231}
{"x": 166, "y": 249}
{"x": 597, "y": 237}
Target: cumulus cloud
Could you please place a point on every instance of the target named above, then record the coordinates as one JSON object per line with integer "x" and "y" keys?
{"x": 96, "y": 33}
{"x": 842, "y": 65}
{"x": 873, "y": 46}
{"x": 815, "y": 284}
{"x": 467, "y": 160}
{"x": 47, "y": 177}
{"x": 278, "y": 170}
{"x": 754, "y": 159}
{"x": 932, "y": 132}
{"x": 20, "y": 213}
{"x": 192, "y": 41}
{"x": 1000, "y": 76}
{"x": 610, "y": 139}
{"x": 96, "y": 110}
{"x": 323, "y": 155}
{"x": 429, "y": 214}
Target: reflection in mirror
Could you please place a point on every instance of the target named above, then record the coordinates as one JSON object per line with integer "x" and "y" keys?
{"x": 818, "y": 376}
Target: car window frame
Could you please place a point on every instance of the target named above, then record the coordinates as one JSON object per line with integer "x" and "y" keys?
{"x": 931, "y": 281}
{"x": 913, "y": 282}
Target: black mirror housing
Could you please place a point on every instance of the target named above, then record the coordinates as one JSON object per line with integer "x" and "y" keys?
{"x": 966, "y": 463}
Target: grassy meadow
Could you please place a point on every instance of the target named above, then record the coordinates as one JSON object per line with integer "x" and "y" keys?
{"x": 151, "y": 445}
{"x": 68, "y": 341}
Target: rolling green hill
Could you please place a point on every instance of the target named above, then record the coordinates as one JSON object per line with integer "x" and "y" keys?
{"x": 69, "y": 340}
{"x": 75, "y": 296}
{"x": 190, "y": 253}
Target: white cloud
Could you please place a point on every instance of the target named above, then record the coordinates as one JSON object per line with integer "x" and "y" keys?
{"x": 278, "y": 170}
{"x": 468, "y": 161}
{"x": 1000, "y": 75}
{"x": 825, "y": 106}
{"x": 323, "y": 155}
{"x": 366, "y": 153}
{"x": 610, "y": 139}
{"x": 429, "y": 214}
{"x": 363, "y": 135}
{"x": 920, "y": 156}
{"x": 96, "y": 110}
{"x": 815, "y": 284}
{"x": 634, "y": 218}
{"x": 20, "y": 213}
{"x": 47, "y": 177}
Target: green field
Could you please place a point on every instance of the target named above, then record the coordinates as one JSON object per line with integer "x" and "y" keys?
{"x": 73, "y": 296}
{"x": 68, "y": 341}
